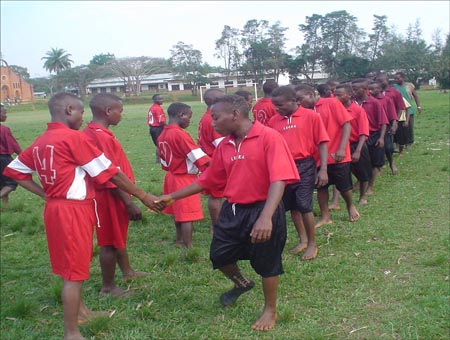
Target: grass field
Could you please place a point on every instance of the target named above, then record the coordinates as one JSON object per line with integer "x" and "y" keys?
{"x": 384, "y": 277}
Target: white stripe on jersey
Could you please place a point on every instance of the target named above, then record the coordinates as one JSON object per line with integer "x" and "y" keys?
{"x": 77, "y": 190}
{"x": 193, "y": 156}
{"x": 17, "y": 165}
{"x": 97, "y": 165}
{"x": 217, "y": 141}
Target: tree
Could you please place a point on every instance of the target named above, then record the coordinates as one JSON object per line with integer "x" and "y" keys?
{"x": 57, "y": 60}
{"x": 187, "y": 62}
{"x": 277, "y": 42}
{"x": 21, "y": 71}
{"x": 442, "y": 68}
{"x": 43, "y": 84}
{"x": 133, "y": 69}
{"x": 378, "y": 37}
{"x": 311, "y": 50}
{"x": 227, "y": 48}
{"x": 102, "y": 59}
{"x": 78, "y": 77}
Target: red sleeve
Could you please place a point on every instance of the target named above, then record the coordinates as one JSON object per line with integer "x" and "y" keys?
{"x": 363, "y": 123}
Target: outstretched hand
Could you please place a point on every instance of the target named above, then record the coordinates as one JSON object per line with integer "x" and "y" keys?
{"x": 151, "y": 202}
{"x": 166, "y": 199}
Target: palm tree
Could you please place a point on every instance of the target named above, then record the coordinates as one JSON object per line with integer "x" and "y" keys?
{"x": 57, "y": 60}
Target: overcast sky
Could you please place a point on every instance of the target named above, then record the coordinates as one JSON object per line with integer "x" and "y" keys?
{"x": 151, "y": 28}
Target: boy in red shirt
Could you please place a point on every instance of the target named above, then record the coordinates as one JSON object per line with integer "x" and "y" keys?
{"x": 156, "y": 120}
{"x": 208, "y": 139}
{"x": 251, "y": 166}
{"x": 182, "y": 159}
{"x": 8, "y": 146}
{"x": 337, "y": 123}
{"x": 264, "y": 108}
{"x": 67, "y": 163}
{"x": 114, "y": 207}
{"x": 306, "y": 137}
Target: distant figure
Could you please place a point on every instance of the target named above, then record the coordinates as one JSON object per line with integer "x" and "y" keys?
{"x": 181, "y": 159}
{"x": 156, "y": 121}
{"x": 264, "y": 108}
{"x": 324, "y": 90}
{"x": 247, "y": 96}
{"x": 8, "y": 147}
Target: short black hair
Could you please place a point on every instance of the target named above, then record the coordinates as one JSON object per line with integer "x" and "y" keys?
{"x": 304, "y": 88}
{"x": 101, "y": 101}
{"x": 59, "y": 101}
{"x": 269, "y": 86}
{"x": 176, "y": 108}
{"x": 346, "y": 87}
{"x": 209, "y": 97}
{"x": 321, "y": 88}
{"x": 284, "y": 91}
{"x": 235, "y": 102}
{"x": 244, "y": 94}
{"x": 156, "y": 96}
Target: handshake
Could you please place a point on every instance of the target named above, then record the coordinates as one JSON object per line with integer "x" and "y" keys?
{"x": 157, "y": 204}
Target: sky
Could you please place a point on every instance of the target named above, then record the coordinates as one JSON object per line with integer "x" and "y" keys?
{"x": 151, "y": 28}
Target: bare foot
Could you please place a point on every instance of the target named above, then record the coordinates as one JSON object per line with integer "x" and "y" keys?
{"x": 300, "y": 247}
{"x": 333, "y": 206}
{"x": 90, "y": 315}
{"x": 394, "y": 170}
{"x": 322, "y": 222}
{"x": 115, "y": 292}
{"x": 179, "y": 244}
{"x": 310, "y": 253}
{"x": 266, "y": 321}
{"x": 362, "y": 201}
{"x": 353, "y": 214}
{"x": 132, "y": 275}
{"x": 369, "y": 192}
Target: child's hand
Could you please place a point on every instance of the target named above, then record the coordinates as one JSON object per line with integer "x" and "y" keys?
{"x": 150, "y": 201}
{"x": 134, "y": 213}
{"x": 166, "y": 199}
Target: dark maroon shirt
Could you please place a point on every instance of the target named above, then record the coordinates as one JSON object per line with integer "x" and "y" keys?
{"x": 375, "y": 113}
{"x": 397, "y": 98}
{"x": 8, "y": 144}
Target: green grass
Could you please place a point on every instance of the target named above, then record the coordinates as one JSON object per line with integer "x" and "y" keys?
{"x": 384, "y": 277}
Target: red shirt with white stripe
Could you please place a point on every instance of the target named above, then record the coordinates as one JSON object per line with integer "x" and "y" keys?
{"x": 156, "y": 115}
{"x": 66, "y": 161}
{"x": 178, "y": 152}
{"x": 245, "y": 171}
{"x": 303, "y": 131}
{"x": 208, "y": 138}
{"x": 264, "y": 110}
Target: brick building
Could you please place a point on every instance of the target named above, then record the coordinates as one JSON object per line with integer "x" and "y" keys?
{"x": 13, "y": 87}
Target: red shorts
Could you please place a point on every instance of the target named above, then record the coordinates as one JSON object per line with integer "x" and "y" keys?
{"x": 113, "y": 218}
{"x": 69, "y": 226}
{"x": 187, "y": 209}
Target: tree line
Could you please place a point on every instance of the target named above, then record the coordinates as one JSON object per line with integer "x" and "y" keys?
{"x": 332, "y": 43}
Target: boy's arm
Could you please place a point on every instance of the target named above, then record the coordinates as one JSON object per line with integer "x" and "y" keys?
{"x": 340, "y": 153}
{"x": 357, "y": 153}
{"x": 380, "y": 141}
{"x": 417, "y": 100}
{"x": 262, "y": 229}
{"x": 133, "y": 211}
{"x": 124, "y": 183}
{"x": 188, "y": 190}
{"x": 322, "y": 174}
{"x": 33, "y": 187}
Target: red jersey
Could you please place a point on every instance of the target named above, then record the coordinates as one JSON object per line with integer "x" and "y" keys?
{"x": 264, "y": 110}
{"x": 303, "y": 131}
{"x": 388, "y": 106}
{"x": 397, "y": 98}
{"x": 66, "y": 161}
{"x": 245, "y": 171}
{"x": 334, "y": 116}
{"x": 359, "y": 123}
{"x": 375, "y": 113}
{"x": 208, "y": 138}
{"x": 178, "y": 152}
{"x": 156, "y": 115}
{"x": 8, "y": 144}
{"x": 105, "y": 140}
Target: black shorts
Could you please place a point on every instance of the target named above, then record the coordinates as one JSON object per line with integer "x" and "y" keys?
{"x": 299, "y": 195}
{"x": 388, "y": 141}
{"x": 231, "y": 239}
{"x": 339, "y": 174}
{"x": 155, "y": 131}
{"x": 376, "y": 153}
{"x": 363, "y": 168}
{"x": 6, "y": 181}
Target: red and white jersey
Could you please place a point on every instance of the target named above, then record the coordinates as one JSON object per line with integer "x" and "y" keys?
{"x": 264, "y": 110}
{"x": 66, "y": 162}
{"x": 156, "y": 115}
{"x": 178, "y": 152}
{"x": 244, "y": 172}
{"x": 106, "y": 142}
{"x": 208, "y": 138}
{"x": 303, "y": 131}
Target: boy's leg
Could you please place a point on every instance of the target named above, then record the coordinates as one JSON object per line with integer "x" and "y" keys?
{"x": 335, "y": 200}
{"x": 375, "y": 173}
{"x": 186, "y": 233}
{"x": 301, "y": 231}
{"x": 178, "y": 234}
{"x": 362, "y": 192}
{"x": 124, "y": 264}
{"x": 353, "y": 214}
{"x": 241, "y": 284}
{"x": 214, "y": 205}
{"x": 311, "y": 250}
{"x": 4, "y": 194}
{"x": 108, "y": 260}
{"x": 71, "y": 299}
{"x": 269, "y": 316}
{"x": 322, "y": 198}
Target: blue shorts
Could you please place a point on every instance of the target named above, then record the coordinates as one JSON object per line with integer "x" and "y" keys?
{"x": 299, "y": 195}
{"x": 231, "y": 238}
